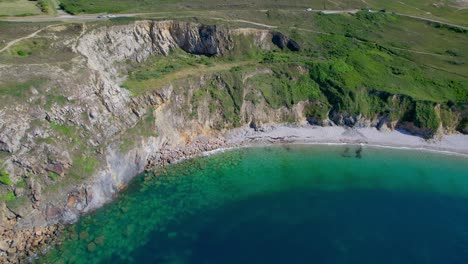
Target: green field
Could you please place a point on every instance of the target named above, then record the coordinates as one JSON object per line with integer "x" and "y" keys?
{"x": 446, "y": 10}
{"x": 18, "y": 8}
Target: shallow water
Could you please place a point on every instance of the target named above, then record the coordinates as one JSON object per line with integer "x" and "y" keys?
{"x": 285, "y": 204}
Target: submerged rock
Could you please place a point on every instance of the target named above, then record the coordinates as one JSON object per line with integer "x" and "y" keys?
{"x": 91, "y": 247}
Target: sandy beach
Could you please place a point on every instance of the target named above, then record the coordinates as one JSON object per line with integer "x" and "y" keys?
{"x": 307, "y": 134}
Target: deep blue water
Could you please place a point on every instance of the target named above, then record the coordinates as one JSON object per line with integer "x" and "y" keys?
{"x": 296, "y": 204}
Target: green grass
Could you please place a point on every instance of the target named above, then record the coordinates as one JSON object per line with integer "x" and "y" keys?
{"x": 285, "y": 87}
{"x": 159, "y": 66}
{"x": 159, "y": 71}
{"x": 53, "y": 176}
{"x": 426, "y": 116}
{"x": 18, "y": 8}
{"x": 144, "y": 128}
{"x": 446, "y": 11}
{"x": 46, "y": 7}
{"x": 68, "y": 131}
{"x": 5, "y": 178}
{"x": 29, "y": 47}
{"x": 354, "y": 69}
{"x": 52, "y": 99}
{"x": 85, "y": 6}
{"x": 83, "y": 166}
{"x": 13, "y": 30}
{"x": 8, "y": 197}
{"x": 18, "y": 90}
{"x": 21, "y": 183}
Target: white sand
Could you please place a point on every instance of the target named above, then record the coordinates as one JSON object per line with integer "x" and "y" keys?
{"x": 338, "y": 135}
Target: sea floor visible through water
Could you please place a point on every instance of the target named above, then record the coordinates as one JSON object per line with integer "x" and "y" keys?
{"x": 284, "y": 204}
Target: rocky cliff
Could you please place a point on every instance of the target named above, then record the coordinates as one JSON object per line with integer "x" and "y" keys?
{"x": 72, "y": 137}
{"x": 63, "y": 150}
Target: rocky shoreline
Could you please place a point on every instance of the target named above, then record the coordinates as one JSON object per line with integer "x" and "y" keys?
{"x": 23, "y": 245}
{"x": 371, "y": 136}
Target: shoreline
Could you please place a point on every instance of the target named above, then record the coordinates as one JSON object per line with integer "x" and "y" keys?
{"x": 268, "y": 135}
{"x": 456, "y": 144}
{"x": 257, "y": 144}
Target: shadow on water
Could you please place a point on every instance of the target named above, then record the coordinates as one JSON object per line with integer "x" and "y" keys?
{"x": 346, "y": 153}
{"x": 357, "y": 152}
{"x": 294, "y": 204}
{"x": 309, "y": 226}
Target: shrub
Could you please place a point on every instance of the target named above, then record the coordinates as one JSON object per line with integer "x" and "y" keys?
{"x": 463, "y": 126}
{"x": 21, "y": 53}
{"x": 8, "y": 197}
{"x": 5, "y": 178}
{"x": 425, "y": 116}
{"x": 53, "y": 176}
{"x": 316, "y": 112}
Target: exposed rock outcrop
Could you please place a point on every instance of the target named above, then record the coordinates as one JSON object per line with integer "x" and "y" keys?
{"x": 50, "y": 142}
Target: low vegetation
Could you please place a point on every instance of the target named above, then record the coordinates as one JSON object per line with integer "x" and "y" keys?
{"x": 5, "y": 178}
{"x": 28, "y": 47}
{"x": 443, "y": 10}
{"x": 19, "y": 90}
{"x": 8, "y": 197}
{"x": 426, "y": 116}
{"x": 46, "y": 6}
{"x": 144, "y": 128}
{"x": 351, "y": 72}
{"x": 18, "y": 8}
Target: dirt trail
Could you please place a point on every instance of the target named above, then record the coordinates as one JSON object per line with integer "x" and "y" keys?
{"x": 32, "y": 35}
{"x": 243, "y": 21}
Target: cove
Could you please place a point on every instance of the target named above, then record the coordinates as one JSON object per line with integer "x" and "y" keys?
{"x": 284, "y": 204}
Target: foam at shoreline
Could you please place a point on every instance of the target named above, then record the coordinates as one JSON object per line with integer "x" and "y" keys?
{"x": 456, "y": 144}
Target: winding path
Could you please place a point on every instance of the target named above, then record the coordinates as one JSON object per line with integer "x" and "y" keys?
{"x": 32, "y": 35}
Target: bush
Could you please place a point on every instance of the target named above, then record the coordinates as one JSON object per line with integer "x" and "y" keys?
{"x": 22, "y": 53}
{"x": 8, "y": 197}
{"x": 463, "y": 126}
{"x": 316, "y": 112}
{"x": 53, "y": 176}
{"x": 44, "y": 6}
{"x": 5, "y": 178}
{"x": 425, "y": 116}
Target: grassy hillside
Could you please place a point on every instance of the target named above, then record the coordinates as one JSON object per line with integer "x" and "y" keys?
{"x": 447, "y": 10}
{"x": 358, "y": 64}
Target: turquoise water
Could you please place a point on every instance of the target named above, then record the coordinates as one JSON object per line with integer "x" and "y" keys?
{"x": 284, "y": 204}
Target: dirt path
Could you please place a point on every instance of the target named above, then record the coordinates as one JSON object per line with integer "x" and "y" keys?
{"x": 32, "y": 35}
{"x": 243, "y": 21}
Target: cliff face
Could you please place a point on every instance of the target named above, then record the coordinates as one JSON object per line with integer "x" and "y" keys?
{"x": 71, "y": 137}
{"x": 67, "y": 156}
